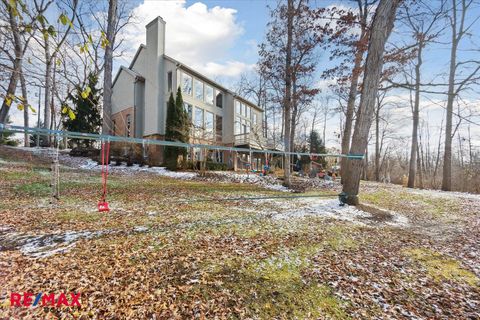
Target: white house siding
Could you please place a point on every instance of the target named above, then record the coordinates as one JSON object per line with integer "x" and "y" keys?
{"x": 123, "y": 95}
{"x": 154, "y": 75}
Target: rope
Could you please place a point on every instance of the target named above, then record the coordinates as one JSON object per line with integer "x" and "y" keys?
{"x": 102, "y": 137}
{"x": 105, "y": 160}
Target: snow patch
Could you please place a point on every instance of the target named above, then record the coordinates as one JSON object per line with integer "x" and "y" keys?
{"x": 330, "y": 208}
{"x": 41, "y": 246}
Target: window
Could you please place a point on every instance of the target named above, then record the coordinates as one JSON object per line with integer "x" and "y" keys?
{"x": 238, "y": 124}
{"x": 186, "y": 84}
{"x": 169, "y": 80}
{"x": 188, "y": 110}
{"x": 238, "y": 107}
{"x": 209, "y": 125}
{"x": 219, "y": 99}
{"x": 244, "y": 126}
{"x": 244, "y": 109}
{"x": 209, "y": 95}
{"x": 254, "y": 118}
{"x": 248, "y": 113}
{"x": 198, "y": 118}
{"x": 129, "y": 125}
{"x": 218, "y": 128}
{"x": 198, "y": 89}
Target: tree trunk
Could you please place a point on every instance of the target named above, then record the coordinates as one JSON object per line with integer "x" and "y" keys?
{"x": 17, "y": 68}
{"x": 416, "y": 108}
{"x": 26, "y": 136}
{"x": 288, "y": 92}
{"x": 107, "y": 78}
{"x": 377, "y": 143}
{"x": 447, "y": 155}
{"x": 352, "y": 95}
{"x": 47, "y": 95}
{"x": 381, "y": 28}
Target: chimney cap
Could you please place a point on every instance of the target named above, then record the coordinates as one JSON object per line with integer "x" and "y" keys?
{"x": 154, "y": 21}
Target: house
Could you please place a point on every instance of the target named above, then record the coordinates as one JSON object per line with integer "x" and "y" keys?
{"x": 218, "y": 116}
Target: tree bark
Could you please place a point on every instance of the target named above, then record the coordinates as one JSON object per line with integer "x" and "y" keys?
{"x": 377, "y": 143}
{"x": 447, "y": 155}
{"x": 288, "y": 92}
{"x": 107, "y": 78}
{"x": 26, "y": 136}
{"x": 17, "y": 68}
{"x": 415, "y": 115}
{"x": 352, "y": 94}
{"x": 381, "y": 28}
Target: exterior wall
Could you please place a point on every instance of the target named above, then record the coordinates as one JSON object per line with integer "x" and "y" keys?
{"x": 191, "y": 99}
{"x": 154, "y": 76}
{"x": 120, "y": 120}
{"x": 123, "y": 92}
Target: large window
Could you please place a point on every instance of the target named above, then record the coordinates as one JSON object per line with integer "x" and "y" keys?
{"x": 238, "y": 125}
{"x": 209, "y": 131}
{"x": 254, "y": 118}
{"x": 209, "y": 95}
{"x": 186, "y": 84}
{"x": 128, "y": 130}
{"x": 238, "y": 107}
{"x": 247, "y": 112}
{"x": 169, "y": 80}
{"x": 198, "y": 89}
{"x": 218, "y": 128}
{"x": 219, "y": 99}
{"x": 198, "y": 118}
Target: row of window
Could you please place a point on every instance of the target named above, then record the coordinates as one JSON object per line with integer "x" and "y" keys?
{"x": 206, "y": 124}
{"x": 201, "y": 91}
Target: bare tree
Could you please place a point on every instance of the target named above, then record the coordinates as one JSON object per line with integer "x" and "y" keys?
{"x": 382, "y": 25}
{"x": 421, "y": 19}
{"x": 107, "y": 78}
{"x": 460, "y": 28}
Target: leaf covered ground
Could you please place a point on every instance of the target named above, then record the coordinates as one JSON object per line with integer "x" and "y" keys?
{"x": 176, "y": 249}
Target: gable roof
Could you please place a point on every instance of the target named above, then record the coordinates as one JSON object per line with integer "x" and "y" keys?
{"x": 134, "y": 74}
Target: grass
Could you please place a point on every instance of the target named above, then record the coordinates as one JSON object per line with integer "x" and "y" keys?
{"x": 398, "y": 201}
{"x": 201, "y": 258}
{"x": 440, "y": 267}
{"x": 279, "y": 291}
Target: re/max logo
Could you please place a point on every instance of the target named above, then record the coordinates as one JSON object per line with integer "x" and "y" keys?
{"x": 28, "y": 299}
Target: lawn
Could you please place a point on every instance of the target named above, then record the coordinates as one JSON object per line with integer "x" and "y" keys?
{"x": 176, "y": 248}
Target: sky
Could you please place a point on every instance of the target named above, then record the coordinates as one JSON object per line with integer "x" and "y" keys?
{"x": 220, "y": 39}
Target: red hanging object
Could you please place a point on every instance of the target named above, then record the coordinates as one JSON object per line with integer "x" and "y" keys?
{"x": 103, "y": 204}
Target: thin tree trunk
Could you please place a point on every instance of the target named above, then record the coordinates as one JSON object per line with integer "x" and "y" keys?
{"x": 352, "y": 95}
{"x": 416, "y": 108}
{"x": 107, "y": 78}
{"x": 447, "y": 155}
{"x": 381, "y": 28}
{"x": 26, "y": 136}
{"x": 17, "y": 68}
{"x": 288, "y": 92}
{"x": 377, "y": 143}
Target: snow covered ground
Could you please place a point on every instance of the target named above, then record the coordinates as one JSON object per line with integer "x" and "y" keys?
{"x": 330, "y": 208}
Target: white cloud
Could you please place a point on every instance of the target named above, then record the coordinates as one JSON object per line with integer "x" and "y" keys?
{"x": 196, "y": 35}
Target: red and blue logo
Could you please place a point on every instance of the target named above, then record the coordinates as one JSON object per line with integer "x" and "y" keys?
{"x": 28, "y": 299}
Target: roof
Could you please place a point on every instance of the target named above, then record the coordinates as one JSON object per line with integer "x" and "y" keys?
{"x": 183, "y": 66}
{"x": 134, "y": 74}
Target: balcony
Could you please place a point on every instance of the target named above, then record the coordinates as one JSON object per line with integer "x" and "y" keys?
{"x": 257, "y": 142}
